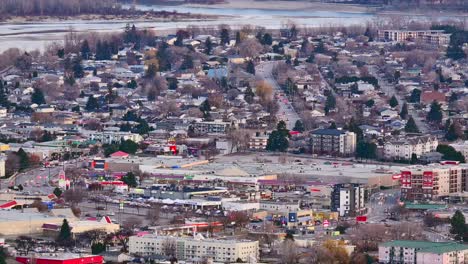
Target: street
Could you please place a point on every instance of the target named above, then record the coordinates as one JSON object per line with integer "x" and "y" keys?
{"x": 286, "y": 111}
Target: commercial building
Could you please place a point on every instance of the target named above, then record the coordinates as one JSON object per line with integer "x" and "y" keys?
{"x": 211, "y": 127}
{"x": 420, "y": 183}
{"x": 404, "y": 148}
{"x": 279, "y": 206}
{"x": 65, "y": 258}
{"x": 348, "y": 199}
{"x": 333, "y": 142}
{"x": 192, "y": 248}
{"x": 415, "y": 252}
{"x": 436, "y": 37}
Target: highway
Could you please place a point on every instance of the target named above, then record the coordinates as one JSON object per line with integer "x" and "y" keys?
{"x": 286, "y": 111}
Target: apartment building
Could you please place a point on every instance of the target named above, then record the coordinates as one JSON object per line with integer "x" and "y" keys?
{"x": 433, "y": 181}
{"x": 258, "y": 141}
{"x": 348, "y": 199}
{"x": 195, "y": 248}
{"x": 404, "y": 148}
{"x": 211, "y": 127}
{"x": 110, "y": 137}
{"x": 333, "y": 142}
{"x": 436, "y": 37}
{"x": 415, "y": 252}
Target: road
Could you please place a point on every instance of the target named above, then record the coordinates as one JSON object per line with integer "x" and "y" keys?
{"x": 389, "y": 90}
{"x": 380, "y": 203}
{"x": 286, "y": 110}
{"x": 37, "y": 179}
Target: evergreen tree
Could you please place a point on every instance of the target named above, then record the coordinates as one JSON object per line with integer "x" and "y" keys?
{"x": 3, "y": 256}
{"x": 238, "y": 38}
{"x": 65, "y": 236}
{"x": 370, "y": 103}
{"x": 330, "y": 103}
{"x": 353, "y": 126}
{"x": 299, "y": 126}
{"x": 250, "y": 67}
{"x": 85, "y": 50}
{"x": 208, "y": 46}
{"x": 142, "y": 128}
{"x": 249, "y": 95}
{"x": 452, "y": 132}
{"x": 368, "y": 34}
{"x": 411, "y": 126}
{"x": 163, "y": 58}
{"x": 366, "y": 150}
{"x": 415, "y": 96}
{"x": 92, "y": 104}
{"x": 77, "y": 68}
{"x": 37, "y": 97}
{"x": 57, "y": 191}
{"x": 404, "y": 111}
{"x": 281, "y": 127}
{"x": 205, "y": 108}
{"x": 277, "y": 141}
{"x": 320, "y": 47}
{"x": 311, "y": 58}
{"x": 130, "y": 180}
{"x": 24, "y": 159}
{"x": 224, "y": 36}
{"x": 187, "y": 63}
{"x": 61, "y": 53}
{"x": 267, "y": 39}
{"x": 435, "y": 113}
{"x": 3, "y": 95}
{"x": 128, "y": 146}
{"x": 172, "y": 83}
{"x": 458, "y": 226}
{"x": 449, "y": 153}
{"x": 393, "y": 102}
{"x": 455, "y": 52}
{"x": 132, "y": 84}
{"x": 332, "y": 125}
{"x": 97, "y": 248}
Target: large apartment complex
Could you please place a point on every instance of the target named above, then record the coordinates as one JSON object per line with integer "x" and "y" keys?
{"x": 348, "y": 199}
{"x": 420, "y": 183}
{"x": 436, "y": 37}
{"x": 415, "y": 252}
{"x": 195, "y": 248}
{"x": 333, "y": 142}
{"x": 404, "y": 148}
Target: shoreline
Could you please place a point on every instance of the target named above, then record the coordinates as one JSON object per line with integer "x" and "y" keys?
{"x": 271, "y": 5}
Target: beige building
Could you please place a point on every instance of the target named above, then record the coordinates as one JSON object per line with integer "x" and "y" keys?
{"x": 422, "y": 252}
{"x": 403, "y": 149}
{"x": 258, "y": 141}
{"x": 419, "y": 183}
{"x": 436, "y": 37}
{"x": 193, "y": 248}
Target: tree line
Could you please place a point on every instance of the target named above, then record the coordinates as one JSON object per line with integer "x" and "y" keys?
{"x": 58, "y": 7}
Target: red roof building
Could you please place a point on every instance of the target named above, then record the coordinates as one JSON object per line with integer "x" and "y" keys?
{"x": 65, "y": 258}
{"x": 428, "y": 97}
{"x": 119, "y": 154}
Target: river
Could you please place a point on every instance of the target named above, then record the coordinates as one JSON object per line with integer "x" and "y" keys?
{"x": 35, "y": 35}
